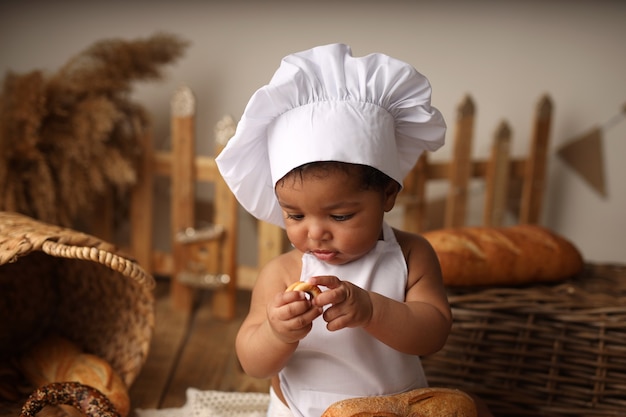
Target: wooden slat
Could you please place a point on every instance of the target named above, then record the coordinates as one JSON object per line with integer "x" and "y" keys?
{"x": 182, "y": 187}
{"x": 246, "y": 276}
{"x": 162, "y": 263}
{"x": 460, "y": 167}
{"x": 205, "y": 167}
{"x": 270, "y": 242}
{"x": 163, "y": 266}
{"x": 415, "y": 187}
{"x": 142, "y": 209}
{"x": 478, "y": 169}
{"x": 535, "y": 175}
{"x": 226, "y": 208}
{"x": 497, "y": 178}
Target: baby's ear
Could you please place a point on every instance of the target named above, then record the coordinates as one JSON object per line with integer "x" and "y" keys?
{"x": 391, "y": 192}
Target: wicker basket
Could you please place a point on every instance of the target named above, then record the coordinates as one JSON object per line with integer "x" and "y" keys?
{"x": 549, "y": 350}
{"x": 54, "y": 279}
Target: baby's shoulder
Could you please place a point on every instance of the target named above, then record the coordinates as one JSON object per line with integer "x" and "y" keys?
{"x": 413, "y": 244}
{"x": 408, "y": 239}
{"x": 288, "y": 265}
{"x": 420, "y": 257}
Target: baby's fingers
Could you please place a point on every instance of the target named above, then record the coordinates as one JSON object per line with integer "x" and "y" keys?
{"x": 293, "y": 321}
{"x": 329, "y": 281}
{"x": 305, "y": 320}
{"x": 288, "y": 305}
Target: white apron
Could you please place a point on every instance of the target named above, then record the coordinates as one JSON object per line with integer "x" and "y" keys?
{"x": 331, "y": 366}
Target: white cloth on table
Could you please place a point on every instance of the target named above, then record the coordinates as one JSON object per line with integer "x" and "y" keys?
{"x": 215, "y": 404}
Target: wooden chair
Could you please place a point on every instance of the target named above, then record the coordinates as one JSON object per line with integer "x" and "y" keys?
{"x": 201, "y": 257}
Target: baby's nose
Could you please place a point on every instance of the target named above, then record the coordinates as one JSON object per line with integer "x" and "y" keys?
{"x": 318, "y": 232}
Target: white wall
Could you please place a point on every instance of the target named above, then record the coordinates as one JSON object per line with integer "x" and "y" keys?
{"x": 505, "y": 54}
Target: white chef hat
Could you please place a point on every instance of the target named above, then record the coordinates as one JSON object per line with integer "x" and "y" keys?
{"x": 323, "y": 104}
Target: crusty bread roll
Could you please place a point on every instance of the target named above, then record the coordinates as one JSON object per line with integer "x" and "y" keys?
{"x": 503, "y": 255}
{"x": 423, "y": 402}
{"x": 57, "y": 359}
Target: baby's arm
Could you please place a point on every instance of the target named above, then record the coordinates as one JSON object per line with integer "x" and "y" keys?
{"x": 276, "y": 322}
{"x": 420, "y": 325}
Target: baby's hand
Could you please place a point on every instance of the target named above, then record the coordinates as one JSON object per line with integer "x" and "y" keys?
{"x": 351, "y": 306}
{"x": 291, "y": 315}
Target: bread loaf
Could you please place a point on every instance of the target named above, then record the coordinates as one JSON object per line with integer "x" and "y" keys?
{"x": 423, "y": 402}
{"x": 57, "y": 359}
{"x": 503, "y": 255}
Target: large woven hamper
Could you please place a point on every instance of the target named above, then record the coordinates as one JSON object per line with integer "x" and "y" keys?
{"x": 540, "y": 350}
{"x": 54, "y": 279}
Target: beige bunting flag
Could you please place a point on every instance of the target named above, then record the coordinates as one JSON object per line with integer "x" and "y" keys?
{"x": 585, "y": 156}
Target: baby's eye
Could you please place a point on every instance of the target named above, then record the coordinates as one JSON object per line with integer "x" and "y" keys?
{"x": 295, "y": 216}
{"x": 341, "y": 217}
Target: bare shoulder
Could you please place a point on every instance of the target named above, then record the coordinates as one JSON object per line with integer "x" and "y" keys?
{"x": 273, "y": 278}
{"x": 282, "y": 270}
{"x": 413, "y": 244}
{"x": 420, "y": 256}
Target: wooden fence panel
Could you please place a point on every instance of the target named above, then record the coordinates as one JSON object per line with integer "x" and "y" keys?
{"x": 498, "y": 172}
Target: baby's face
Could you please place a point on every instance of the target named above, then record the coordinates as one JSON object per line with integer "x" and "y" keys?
{"x": 331, "y": 216}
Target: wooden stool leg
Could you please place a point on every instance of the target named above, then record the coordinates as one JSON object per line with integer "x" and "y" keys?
{"x": 182, "y": 189}
{"x": 226, "y": 208}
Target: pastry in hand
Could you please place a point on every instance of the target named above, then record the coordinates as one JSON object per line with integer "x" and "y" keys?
{"x": 311, "y": 290}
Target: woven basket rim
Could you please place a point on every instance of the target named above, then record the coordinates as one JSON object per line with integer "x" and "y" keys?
{"x": 125, "y": 266}
{"x": 62, "y": 242}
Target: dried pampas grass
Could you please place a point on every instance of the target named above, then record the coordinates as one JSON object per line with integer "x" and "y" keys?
{"x": 70, "y": 139}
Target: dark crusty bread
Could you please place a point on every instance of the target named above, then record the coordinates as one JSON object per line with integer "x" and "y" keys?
{"x": 512, "y": 255}
{"x": 423, "y": 402}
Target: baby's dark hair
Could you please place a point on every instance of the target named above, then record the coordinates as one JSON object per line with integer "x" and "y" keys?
{"x": 370, "y": 177}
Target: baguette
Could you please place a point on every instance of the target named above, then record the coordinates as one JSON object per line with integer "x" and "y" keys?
{"x": 522, "y": 254}
{"x": 423, "y": 402}
{"x": 57, "y": 359}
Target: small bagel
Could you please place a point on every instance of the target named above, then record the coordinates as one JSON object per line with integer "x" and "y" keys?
{"x": 90, "y": 401}
{"x": 312, "y": 290}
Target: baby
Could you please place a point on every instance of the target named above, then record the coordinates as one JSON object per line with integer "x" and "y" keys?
{"x": 322, "y": 151}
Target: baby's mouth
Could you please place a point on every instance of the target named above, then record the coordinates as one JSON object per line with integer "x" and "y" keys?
{"x": 324, "y": 255}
